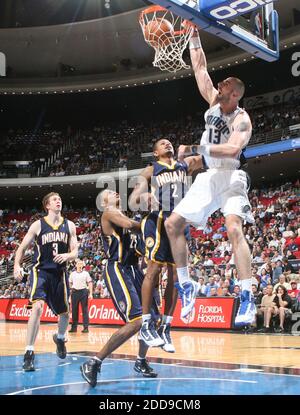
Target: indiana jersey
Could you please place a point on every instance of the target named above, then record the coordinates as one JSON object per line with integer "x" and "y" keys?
{"x": 52, "y": 240}
{"x": 169, "y": 184}
{"x": 120, "y": 246}
{"x": 218, "y": 129}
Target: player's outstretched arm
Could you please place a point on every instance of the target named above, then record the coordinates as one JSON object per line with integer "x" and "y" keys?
{"x": 194, "y": 163}
{"x": 33, "y": 231}
{"x": 198, "y": 58}
{"x": 118, "y": 218}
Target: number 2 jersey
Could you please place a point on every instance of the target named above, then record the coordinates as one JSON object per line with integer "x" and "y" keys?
{"x": 218, "y": 129}
{"x": 52, "y": 240}
{"x": 169, "y": 184}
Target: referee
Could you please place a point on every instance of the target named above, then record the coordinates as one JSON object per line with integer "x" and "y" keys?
{"x": 81, "y": 285}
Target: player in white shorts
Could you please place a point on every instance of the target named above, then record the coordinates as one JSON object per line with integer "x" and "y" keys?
{"x": 223, "y": 186}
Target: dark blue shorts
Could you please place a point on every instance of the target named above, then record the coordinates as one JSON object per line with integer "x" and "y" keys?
{"x": 124, "y": 284}
{"x": 156, "y": 242}
{"x": 51, "y": 286}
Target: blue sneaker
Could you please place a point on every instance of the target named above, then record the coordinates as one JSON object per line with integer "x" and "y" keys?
{"x": 149, "y": 334}
{"x": 247, "y": 310}
{"x": 187, "y": 293}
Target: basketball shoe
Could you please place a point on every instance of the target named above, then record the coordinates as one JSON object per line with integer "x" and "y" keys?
{"x": 164, "y": 333}
{"x": 247, "y": 310}
{"x": 89, "y": 371}
{"x": 142, "y": 366}
{"x": 61, "y": 350}
{"x": 187, "y": 293}
{"x": 28, "y": 365}
{"x": 149, "y": 334}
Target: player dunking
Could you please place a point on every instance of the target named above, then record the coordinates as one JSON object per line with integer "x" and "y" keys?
{"x": 55, "y": 244}
{"x": 223, "y": 185}
{"x": 124, "y": 280}
{"x": 168, "y": 179}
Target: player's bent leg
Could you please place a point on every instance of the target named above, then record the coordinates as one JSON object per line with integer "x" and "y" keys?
{"x": 59, "y": 338}
{"x": 247, "y": 310}
{"x": 32, "y": 332}
{"x": 148, "y": 331}
{"x": 175, "y": 226}
{"x": 92, "y": 367}
{"x": 141, "y": 364}
{"x": 171, "y": 295}
{"x": 150, "y": 280}
{"x": 187, "y": 288}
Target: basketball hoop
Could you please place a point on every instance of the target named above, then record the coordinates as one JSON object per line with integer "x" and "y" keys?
{"x": 164, "y": 32}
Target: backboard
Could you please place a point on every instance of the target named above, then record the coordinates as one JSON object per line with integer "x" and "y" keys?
{"x": 252, "y": 25}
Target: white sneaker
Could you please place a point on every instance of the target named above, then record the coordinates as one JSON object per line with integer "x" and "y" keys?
{"x": 164, "y": 333}
{"x": 247, "y": 310}
{"x": 187, "y": 293}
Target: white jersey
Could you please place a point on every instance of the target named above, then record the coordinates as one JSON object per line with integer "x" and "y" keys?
{"x": 218, "y": 129}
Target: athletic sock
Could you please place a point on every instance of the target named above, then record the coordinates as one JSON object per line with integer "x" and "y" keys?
{"x": 146, "y": 317}
{"x": 166, "y": 319}
{"x": 183, "y": 275}
{"x": 29, "y": 349}
{"x": 61, "y": 337}
{"x": 247, "y": 285}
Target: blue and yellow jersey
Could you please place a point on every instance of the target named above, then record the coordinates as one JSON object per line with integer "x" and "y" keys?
{"x": 52, "y": 240}
{"x": 120, "y": 246}
{"x": 169, "y": 184}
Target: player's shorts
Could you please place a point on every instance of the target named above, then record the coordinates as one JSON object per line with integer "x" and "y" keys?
{"x": 124, "y": 284}
{"x": 51, "y": 286}
{"x": 216, "y": 189}
{"x": 156, "y": 245}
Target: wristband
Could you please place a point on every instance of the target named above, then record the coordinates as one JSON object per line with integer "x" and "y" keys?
{"x": 202, "y": 149}
{"x": 195, "y": 43}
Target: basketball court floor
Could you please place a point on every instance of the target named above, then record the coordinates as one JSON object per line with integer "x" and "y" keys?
{"x": 205, "y": 363}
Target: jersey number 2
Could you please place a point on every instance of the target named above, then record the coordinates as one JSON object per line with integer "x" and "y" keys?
{"x": 174, "y": 188}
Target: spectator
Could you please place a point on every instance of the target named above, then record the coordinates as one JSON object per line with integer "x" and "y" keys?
{"x": 282, "y": 281}
{"x": 211, "y": 284}
{"x": 236, "y": 291}
{"x": 202, "y": 287}
{"x": 262, "y": 309}
{"x": 213, "y": 292}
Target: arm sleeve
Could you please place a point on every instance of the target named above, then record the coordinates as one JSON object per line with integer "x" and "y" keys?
{"x": 88, "y": 277}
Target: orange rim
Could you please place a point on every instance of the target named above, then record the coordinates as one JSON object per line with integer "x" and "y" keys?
{"x": 153, "y": 9}
{"x": 157, "y": 8}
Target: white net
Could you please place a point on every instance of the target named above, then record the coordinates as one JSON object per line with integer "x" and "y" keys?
{"x": 167, "y": 35}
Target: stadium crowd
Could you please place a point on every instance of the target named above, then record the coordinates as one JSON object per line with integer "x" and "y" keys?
{"x": 108, "y": 146}
{"x": 274, "y": 241}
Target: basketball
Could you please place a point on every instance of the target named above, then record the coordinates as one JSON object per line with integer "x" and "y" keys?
{"x": 158, "y": 32}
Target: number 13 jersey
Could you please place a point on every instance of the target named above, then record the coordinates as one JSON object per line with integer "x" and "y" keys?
{"x": 218, "y": 129}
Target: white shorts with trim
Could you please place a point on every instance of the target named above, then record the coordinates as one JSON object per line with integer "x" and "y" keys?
{"x": 216, "y": 189}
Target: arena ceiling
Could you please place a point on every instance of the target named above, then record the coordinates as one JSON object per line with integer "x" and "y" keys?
{"x": 102, "y": 47}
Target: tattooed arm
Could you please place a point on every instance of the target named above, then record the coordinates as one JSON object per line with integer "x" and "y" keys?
{"x": 242, "y": 130}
